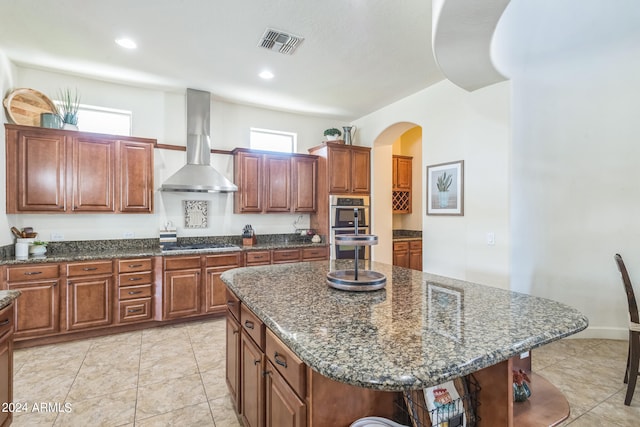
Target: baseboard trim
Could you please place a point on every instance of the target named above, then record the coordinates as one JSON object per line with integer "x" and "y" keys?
{"x": 603, "y": 332}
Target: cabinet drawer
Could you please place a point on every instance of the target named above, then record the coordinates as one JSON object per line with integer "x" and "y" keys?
{"x": 401, "y": 246}
{"x": 89, "y": 268}
{"x": 133, "y": 265}
{"x": 225, "y": 260}
{"x": 286, "y": 255}
{"x": 130, "y": 292}
{"x": 252, "y": 326}
{"x": 233, "y": 304}
{"x": 129, "y": 279}
{"x": 314, "y": 253}
{"x": 181, "y": 263}
{"x": 415, "y": 245}
{"x": 287, "y": 363}
{"x": 135, "y": 310}
{"x": 6, "y": 320}
{"x": 258, "y": 257}
{"x": 32, "y": 272}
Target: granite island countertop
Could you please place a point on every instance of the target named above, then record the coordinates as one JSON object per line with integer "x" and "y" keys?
{"x": 419, "y": 331}
{"x": 7, "y": 297}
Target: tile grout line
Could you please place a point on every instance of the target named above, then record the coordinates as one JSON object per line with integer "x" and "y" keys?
{"x": 201, "y": 378}
{"x": 135, "y": 405}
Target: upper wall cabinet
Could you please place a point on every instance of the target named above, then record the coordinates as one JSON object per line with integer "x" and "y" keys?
{"x": 57, "y": 171}
{"x": 401, "y": 197}
{"x": 347, "y": 168}
{"x": 274, "y": 182}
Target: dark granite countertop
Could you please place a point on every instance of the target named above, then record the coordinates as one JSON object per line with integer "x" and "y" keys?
{"x": 7, "y": 297}
{"x": 406, "y": 235}
{"x": 419, "y": 331}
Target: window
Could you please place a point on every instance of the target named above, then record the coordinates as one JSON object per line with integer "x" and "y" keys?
{"x": 273, "y": 140}
{"x": 104, "y": 120}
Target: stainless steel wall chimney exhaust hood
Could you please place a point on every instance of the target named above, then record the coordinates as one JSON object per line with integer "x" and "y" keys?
{"x": 198, "y": 175}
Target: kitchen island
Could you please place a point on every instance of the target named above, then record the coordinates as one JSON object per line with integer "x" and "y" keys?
{"x": 420, "y": 330}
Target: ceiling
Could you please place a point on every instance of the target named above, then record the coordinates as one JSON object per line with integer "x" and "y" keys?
{"x": 357, "y": 55}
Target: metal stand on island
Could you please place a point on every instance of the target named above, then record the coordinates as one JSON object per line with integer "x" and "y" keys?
{"x": 356, "y": 280}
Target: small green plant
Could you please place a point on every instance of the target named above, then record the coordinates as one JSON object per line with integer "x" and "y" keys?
{"x": 444, "y": 182}
{"x": 68, "y": 106}
{"x": 332, "y": 132}
{"x": 39, "y": 243}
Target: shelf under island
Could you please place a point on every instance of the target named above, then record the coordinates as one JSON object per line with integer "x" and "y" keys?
{"x": 301, "y": 353}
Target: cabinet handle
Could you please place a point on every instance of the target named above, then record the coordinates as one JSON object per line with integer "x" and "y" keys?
{"x": 255, "y": 362}
{"x": 248, "y": 324}
{"x": 134, "y": 292}
{"x": 90, "y": 268}
{"x": 134, "y": 279}
{"x": 137, "y": 310}
{"x": 236, "y": 331}
{"x": 231, "y": 303}
{"x": 31, "y": 273}
{"x": 4, "y": 322}
{"x": 280, "y": 362}
{"x": 135, "y": 265}
{"x": 265, "y": 373}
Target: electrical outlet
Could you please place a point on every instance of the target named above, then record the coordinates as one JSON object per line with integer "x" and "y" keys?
{"x": 56, "y": 236}
{"x": 491, "y": 238}
{"x": 128, "y": 235}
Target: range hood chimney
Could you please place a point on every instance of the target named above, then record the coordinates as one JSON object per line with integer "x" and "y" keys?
{"x": 198, "y": 175}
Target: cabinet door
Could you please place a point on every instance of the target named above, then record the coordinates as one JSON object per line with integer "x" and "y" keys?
{"x": 37, "y": 181}
{"x": 360, "y": 171}
{"x": 94, "y": 175}
{"x": 181, "y": 293}
{"x": 304, "y": 180}
{"x": 251, "y": 382}
{"x": 215, "y": 290}
{"x": 233, "y": 361}
{"x": 402, "y": 173}
{"x": 37, "y": 310}
{"x": 89, "y": 302}
{"x": 248, "y": 176}
{"x": 415, "y": 255}
{"x": 6, "y": 377}
{"x": 283, "y": 407}
{"x": 136, "y": 177}
{"x": 401, "y": 254}
{"x": 339, "y": 161}
{"x": 277, "y": 181}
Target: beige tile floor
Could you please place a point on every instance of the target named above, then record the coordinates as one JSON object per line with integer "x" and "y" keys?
{"x": 174, "y": 376}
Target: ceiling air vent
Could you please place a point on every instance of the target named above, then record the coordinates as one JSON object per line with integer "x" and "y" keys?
{"x": 279, "y": 41}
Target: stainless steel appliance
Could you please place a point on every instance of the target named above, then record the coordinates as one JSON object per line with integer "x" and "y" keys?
{"x": 341, "y": 211}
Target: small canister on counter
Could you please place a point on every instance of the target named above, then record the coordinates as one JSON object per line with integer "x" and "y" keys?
{"x": 22, "y": 247}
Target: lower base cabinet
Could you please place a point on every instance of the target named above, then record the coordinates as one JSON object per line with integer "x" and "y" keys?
{"x": 283, "y": 406}
{"x": 252, "y": 382}
{"x": 6, "y": 363}
{"x": 408, "y": 254}
{"x": 232, "y": 367}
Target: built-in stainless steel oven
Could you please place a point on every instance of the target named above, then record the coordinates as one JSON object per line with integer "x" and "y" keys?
{"x": 342, "y": 220}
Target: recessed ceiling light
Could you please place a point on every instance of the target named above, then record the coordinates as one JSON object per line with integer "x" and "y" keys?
{"x": 267, "y": 75}
{"x": 126, "y": 43}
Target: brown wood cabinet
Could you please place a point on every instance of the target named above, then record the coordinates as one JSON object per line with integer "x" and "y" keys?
{"x": 37, "y": 311}
{"x": 342, "y": 169}
{"x": 402, "y": 184}
{"x": 215, "y": 289}
{"x": 408, "y": 254}
{"x": 135, "y": 290}
{"x": 89, "y": 295}
{"x": 274, "y": 182}
{"x": 6, "y": 362}
{"x": 182, "y": 288}
{"x": 232, "y": 366}
{"x": 252, "y": 367}
{"x": 52, "y": 170}
{"x": 280, "y": 256}
{"x": 283, "y": 407}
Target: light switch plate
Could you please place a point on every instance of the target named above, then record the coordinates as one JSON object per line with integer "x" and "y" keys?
{"x": 56, "y": 236}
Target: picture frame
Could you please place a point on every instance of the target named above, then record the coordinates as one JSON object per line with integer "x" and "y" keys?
{"x": 450, "y": 177}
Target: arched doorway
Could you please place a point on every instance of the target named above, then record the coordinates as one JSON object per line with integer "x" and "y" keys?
{"x": 405, "y": 139}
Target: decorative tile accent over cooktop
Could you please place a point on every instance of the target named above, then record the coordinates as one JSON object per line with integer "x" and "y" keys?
{"x": 195, "y": 213}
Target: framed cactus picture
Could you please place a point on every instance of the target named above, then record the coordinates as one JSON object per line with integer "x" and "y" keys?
{"x": 445, "y": 188}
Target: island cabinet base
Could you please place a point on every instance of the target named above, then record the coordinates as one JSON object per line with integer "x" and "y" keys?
{"x": 331, "y": 403}
{"x": 547, "y": 406}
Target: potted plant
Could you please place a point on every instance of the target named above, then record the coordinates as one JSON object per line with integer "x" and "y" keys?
{"x": 38, "y": 247}
{"x": 332, "y": 134}
{"x": 443, "y": 184}
{"x": 68, "y": 109}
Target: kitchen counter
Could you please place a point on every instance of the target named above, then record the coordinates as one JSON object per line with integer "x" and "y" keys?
{"x": 419, "y": 331}
{"x": 97, "y": 253}
{"x": 7, "y": 297}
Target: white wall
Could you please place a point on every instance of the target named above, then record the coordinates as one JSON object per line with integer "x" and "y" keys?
{"x": 161, "y": 115}
{"x": 456, "y": 125}
{"x": 575, "y": 70}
